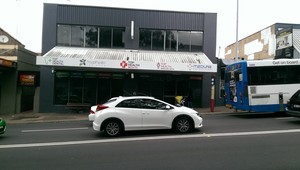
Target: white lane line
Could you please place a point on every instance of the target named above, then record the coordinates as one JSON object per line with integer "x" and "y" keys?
{"x": 49, "y": 130}
{"x": 149, "y": 138}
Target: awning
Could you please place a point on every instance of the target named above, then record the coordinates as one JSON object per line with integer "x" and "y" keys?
{"x": 127, "y": 59}
{"x": 7, "y": 63}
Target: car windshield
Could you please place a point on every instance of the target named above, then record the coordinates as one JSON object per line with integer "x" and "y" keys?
{"x": 296, "y": 95}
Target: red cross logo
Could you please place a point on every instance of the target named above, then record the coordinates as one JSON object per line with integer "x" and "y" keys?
{"x": 123, "y": 64}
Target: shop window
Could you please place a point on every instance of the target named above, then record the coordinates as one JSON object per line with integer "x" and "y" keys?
{"x": 61, "y": 87}
{"x": 117, "y": 86}
{"x": 103, "y": 89}
{"x": 91, "y": 37}
{"x": 76, "y": 88}
{"x": 90, "y": 86}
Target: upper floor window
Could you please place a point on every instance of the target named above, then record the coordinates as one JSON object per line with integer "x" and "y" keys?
{"x": 64, "y": 35}
{"x": 169, "y": 40}
{"x": 90, "y": 36}
{"x": 77, "y": 36}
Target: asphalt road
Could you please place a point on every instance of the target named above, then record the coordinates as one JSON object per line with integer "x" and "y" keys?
{"x": 227, "y": 141}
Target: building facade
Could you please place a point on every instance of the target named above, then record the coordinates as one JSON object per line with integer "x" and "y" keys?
{"x": 267, "y": 44}
{"x": 90, "y": 54}
{"x": 19, "y": 76}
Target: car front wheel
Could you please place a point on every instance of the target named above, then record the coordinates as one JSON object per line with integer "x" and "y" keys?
{"x": 183, "y": 125}
{"x": 112, "y": 128}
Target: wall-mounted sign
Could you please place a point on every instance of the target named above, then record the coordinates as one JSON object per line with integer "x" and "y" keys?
{"x": 27, "y": 79}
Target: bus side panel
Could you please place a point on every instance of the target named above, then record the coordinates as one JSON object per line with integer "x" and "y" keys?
{"x": 270, "y": 98}
{"x": 266, "y": 108}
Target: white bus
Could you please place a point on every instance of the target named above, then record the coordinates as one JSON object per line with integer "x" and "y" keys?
{"x": 261, "y": 86}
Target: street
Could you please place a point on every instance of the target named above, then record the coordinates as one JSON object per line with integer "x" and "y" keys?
{"x": 227, "y": 141}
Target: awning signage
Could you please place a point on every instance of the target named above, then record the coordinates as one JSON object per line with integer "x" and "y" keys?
{"x": 7, "y": 63}
{"x": 128, "y": 60}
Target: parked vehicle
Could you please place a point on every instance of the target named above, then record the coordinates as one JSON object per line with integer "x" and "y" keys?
{"x": 144, "y": 113}
{"x": 293, "y": 105}
{"x": 2, "y": 126}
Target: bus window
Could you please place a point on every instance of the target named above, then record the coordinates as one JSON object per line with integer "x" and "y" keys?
{"x": 237, "y": 75}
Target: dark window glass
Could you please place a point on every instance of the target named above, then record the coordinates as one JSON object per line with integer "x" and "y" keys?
{"x": 293, "y": 74}
{"x": 77, "y": 36}
{"x": 252, "y": 76}
{"x": 90, "y": 86}
{"x": 171, "y": 40}
{"x": 169, "y": 87}
{"x": 117, "y": 87}
{"x": 104, "y": 89}
{"x": 158, "y": 38}
{"x": 269, "y": 75}
{"x": 296, "y": 96}
{"x": 145, "y": 39}
{"x": 61, "y": 88}
{"x": 152, "y": 104}
{"x": 91, "y": 37}
{"x": 76, "y": 87}
{"x": 196, "y": 41}
{"x": 105, "y": 37}
{"x": 182, "y": 88}
{"x": 63, "y": 35}
{"x": 118, "y": 37}
{"x": 130, "y": 103}
{"x": 184, "y": 41}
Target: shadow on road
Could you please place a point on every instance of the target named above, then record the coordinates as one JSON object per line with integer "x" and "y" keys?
{"x": 148, "y": 133}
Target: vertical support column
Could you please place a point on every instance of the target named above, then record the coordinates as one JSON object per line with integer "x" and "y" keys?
{"x": 212, "y": 97}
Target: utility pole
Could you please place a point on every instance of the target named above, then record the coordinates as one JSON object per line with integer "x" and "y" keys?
{"x": 237, "y": 32}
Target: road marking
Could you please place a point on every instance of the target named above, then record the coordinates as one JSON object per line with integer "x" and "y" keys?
{"x": 149, "y": 138}
{"x": 49, "y": 130}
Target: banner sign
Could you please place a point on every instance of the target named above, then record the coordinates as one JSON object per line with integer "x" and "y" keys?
{"x": 125, "y": 64}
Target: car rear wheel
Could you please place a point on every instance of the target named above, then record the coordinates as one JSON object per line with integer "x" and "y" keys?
{"x": 183, "y": 125}
{"x": 112, "y": 128}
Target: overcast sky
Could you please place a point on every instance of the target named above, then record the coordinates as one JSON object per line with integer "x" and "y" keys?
{"x": 23, "y": 18}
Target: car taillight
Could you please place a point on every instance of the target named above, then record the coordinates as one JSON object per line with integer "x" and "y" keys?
{"x": 92, "y": 112}
{"x": 100, "y": 107}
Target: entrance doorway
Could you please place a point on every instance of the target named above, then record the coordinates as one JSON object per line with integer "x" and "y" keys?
{"x": 27, "y": 98}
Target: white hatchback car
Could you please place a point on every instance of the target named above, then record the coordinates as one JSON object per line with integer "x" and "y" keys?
{"x": 144, "y": 113}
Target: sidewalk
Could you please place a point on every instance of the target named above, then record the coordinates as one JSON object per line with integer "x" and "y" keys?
{"x": 29, "y": 117}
